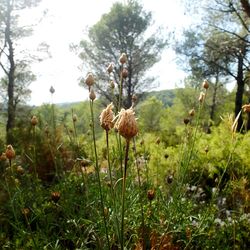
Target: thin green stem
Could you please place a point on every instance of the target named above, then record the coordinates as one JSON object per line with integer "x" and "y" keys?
{"x": 98, "y": 173}
{"x": 123, "y": 193}
{"x": 113, "y": 194}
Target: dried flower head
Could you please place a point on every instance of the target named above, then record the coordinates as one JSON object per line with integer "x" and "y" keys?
{"x": 20, "y": 170}
{"x": 106, "y": 117}
{"x": 10, "y": 152}
{"x": 34, "y": 120}
{"x": 124, "y": 73}
{"x": 158, "y": 140}
{"x": 55, "y": 196}
{"x": 202, "y": 97}
{"x": 25, "y": 211}
{"x": 126, "y": 124}
{"x": 112, "y": 84}
{"x": 110, "y": 68}
{"x": 74, "y": 118}
{"x": 246, "y": 108}
{"x": 134, "y": 98}
{"x": 186, "y": 121}
{"x": 151, "y": 194}
{"x": 123, "y": 58}
{"x": 92, "y": 95}
{"x": 205, "y": 84}
{"x": 52, "y": 90}
{"x": 3, "y": 157}
{"x": 90, "y": 80}
{"x": 191, "y": 112}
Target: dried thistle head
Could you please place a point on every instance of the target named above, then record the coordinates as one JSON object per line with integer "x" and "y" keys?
{"x": 106, "y": 117}
{"x": 191, "y": 112}
{"x": 124, "y": 73}
{"x": 151, "y": 194}
{"x": 158, "y": 140}
{"x": 110, "y": 68}
{"x": 202, "y": 97}
{"x": 3, "y": 157}
{"x": 90, "y": 79}
{"x": 10, "y": 152}
{"x": 205, "y": 84}
{"x": 246, "y": 108}
{"x": 186, "y": 121}
{"x": 34, "y": 120}
{"x": 55, "y": 196}
{"x": 92, "y": 95}
{"x": 123, "y": 58}
{"x": 126, "y": 124}
{"x": 20, "y": 170}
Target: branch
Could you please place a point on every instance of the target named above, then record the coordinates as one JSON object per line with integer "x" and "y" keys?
{"x": 4, "y": 69}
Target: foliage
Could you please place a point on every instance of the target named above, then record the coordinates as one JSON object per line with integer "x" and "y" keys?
{"x": 123, "y": 30}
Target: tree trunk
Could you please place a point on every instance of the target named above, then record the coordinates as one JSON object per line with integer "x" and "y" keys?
{"x": 11, "y": 78}
{"x": 239, "y": 92}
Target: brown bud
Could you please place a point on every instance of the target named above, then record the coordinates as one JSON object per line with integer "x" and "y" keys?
{"x": 90, "y": 79}
{"x": 151, "y": 194}
{"x": 169, "y": 179}
{"x": 34, "y": 120}
{"x": 123, "y": 58}
{"x": 142, "y": 142}
{"x": 55, "y": 196}
{"x": 205, "y": 84}
{"x": 186, "y": 121}
{"x": 191, "y": 112}
{"x": 74, "y": 118}
{"x": 20, "y": 170}
{"x": 206, "y": 149}
{"x": 92, "y": 95}
{"x": 124, "y": 73}
{"x": 106, "y": 117}
{"x": 110, "y": 68}
{"x": 126, "y": 124}
{"x": 52, "y": 90}
{"x": 158, "y": 140}
{"x": 3, "y": 157}
{"x": 10, "y": 152}
{"x": 106, "y": 212}
{"x": 25, "y": 211}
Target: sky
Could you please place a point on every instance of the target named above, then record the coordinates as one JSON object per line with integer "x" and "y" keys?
{"x": 66, "y": 22}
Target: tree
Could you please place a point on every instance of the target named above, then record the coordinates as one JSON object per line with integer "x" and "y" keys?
{"x": 122, "y": 30}
{"x": 225, "y": 36}
{"x": 10, "y": 33}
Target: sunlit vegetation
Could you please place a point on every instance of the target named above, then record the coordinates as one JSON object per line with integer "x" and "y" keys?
{"x": 79, "y": 177}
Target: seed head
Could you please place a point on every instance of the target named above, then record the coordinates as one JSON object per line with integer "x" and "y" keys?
{"x": 205, "y": 84}
{"x": 3, "y": 157}
{"x": 126, "y": 124}
{"x": 107, "y": 117}
{"x": 52, "y": 90}
{"x": 246, "y": 108}
{"x": 55, "y": 196}
{"x": 158, "y": 140}
{"x": 90, "y": 80}
{"x": 202, "y": 97}
{"x": 124, "y": 73}
{"x": 25, "y": 211}
{"x": 34, "y": 120}
{"x": 92, "y": 95}
{"x": 74, "y": 118}
{"x": 10, "y": 152}
{"x": 151, "y": 194}
{"x": 191, "y": 112}
{"x": 20, "y": 170}
{"x": 110, "y": 68}
{"x": 123, "y": 58}
{"x": 186, "y": 121}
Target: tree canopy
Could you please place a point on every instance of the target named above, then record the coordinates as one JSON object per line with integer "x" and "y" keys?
{"x": 125, "y": 29}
